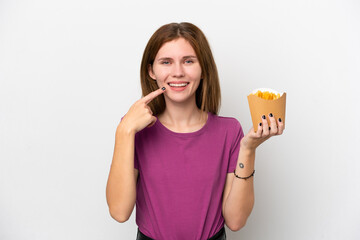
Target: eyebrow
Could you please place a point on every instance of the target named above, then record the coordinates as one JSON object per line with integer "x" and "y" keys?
{"x": 185, "y": 57}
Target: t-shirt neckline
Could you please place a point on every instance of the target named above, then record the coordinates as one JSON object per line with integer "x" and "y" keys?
{"x": 189, "y": 134}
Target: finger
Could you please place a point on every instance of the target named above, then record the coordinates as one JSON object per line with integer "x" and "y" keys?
{"x": 252, "y": 133}
{"x": 152, "y": 95}
{"x": 149, "y": 109}
{"x": 281, "y": 126}
{"x": 152, "y": 122}
{"x": 265, "y": 124}
{"x": 259, "y": 130}
{"x": 273, "y": 125}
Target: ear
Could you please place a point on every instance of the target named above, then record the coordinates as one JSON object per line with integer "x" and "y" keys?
{"x": 151, "y": 73}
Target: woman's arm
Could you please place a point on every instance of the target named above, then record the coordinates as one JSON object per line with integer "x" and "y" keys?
{"x": 239, "y": 193}
{"x": 121, "y": 185}
{"x": 238, "y": 199}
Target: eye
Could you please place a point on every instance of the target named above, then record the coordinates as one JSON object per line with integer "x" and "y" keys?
{"x": 189, "y": 61}
{"x": 165, "y": 62}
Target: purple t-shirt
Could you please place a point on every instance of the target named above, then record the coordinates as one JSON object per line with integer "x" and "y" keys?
{"x": 182, "y": 177}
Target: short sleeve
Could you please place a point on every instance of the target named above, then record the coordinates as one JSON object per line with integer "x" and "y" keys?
{"x": 136, "y": 162}
{"x": 235, "y": 147}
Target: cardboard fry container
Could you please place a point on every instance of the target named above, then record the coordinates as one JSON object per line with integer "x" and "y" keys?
{"x": 259, "y": 107}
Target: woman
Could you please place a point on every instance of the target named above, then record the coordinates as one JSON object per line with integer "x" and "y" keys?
{"x": 188, "y": 170}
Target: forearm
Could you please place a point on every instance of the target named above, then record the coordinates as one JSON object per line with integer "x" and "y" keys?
{"x": 240, "y": 201}
{"x": 121, "y": 185}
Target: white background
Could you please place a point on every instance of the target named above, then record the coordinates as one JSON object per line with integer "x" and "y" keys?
{"x": 69, "y": 71}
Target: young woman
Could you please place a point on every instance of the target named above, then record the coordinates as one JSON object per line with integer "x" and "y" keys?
{"x": 188, "y": 170}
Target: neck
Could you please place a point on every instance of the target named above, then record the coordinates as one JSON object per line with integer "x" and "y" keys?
{"x": 182, "y": 115}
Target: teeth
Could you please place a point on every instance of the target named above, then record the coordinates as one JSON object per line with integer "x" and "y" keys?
{"x": 178, "y": 85}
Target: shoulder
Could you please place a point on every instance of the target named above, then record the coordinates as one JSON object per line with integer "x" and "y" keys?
{"x": 230, "y": 126}
{"x": 227, "y": 122}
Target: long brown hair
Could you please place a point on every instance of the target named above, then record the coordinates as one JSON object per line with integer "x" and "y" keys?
{"x": 208, "y": 96}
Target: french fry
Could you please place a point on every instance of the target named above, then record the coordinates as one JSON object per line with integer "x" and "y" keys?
{"x": 263, "y": 101}
{"x": 267, "y": 95}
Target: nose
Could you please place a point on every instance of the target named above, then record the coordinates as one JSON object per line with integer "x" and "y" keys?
{"x": 178, "y": 70}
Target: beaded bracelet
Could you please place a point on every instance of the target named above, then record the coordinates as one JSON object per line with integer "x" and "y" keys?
{"x": 244, "y": 177}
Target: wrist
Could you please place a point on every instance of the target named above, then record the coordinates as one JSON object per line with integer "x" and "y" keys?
{"x": 121, "y": 130}
{"x": 247, "y": 146}
{"x": 246, "y": 162}
{"x": 247, "y": 151}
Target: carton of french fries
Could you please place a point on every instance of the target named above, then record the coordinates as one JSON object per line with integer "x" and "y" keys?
{"x": 263, "y": 101}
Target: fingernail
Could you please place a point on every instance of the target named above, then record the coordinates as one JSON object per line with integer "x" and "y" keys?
{"x": 279, "y": 119}
{"x": 260, "y": 124}
{"x": 270, "y": 115}
{"x": 163, "y": 88}
{"x": 263, "y": 116}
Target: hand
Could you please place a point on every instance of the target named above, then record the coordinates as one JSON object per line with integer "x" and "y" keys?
{"x": 252, "y": 140}
{"x": 140, "y": 115}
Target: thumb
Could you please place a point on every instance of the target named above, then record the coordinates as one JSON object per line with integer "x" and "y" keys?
{"x": 154, "y": 119}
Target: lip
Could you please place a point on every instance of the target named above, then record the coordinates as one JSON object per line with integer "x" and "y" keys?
{"x": 178, "y": 89}
{"x": 178, "y": 82}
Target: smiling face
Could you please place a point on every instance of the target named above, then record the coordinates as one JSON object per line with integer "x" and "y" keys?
{"x": 177, "y": 68}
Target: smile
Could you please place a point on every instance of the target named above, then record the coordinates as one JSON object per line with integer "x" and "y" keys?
{"x": 178, "y": 86}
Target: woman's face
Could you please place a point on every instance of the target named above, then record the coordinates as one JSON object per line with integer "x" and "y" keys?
{"x": 177, "y": 68}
